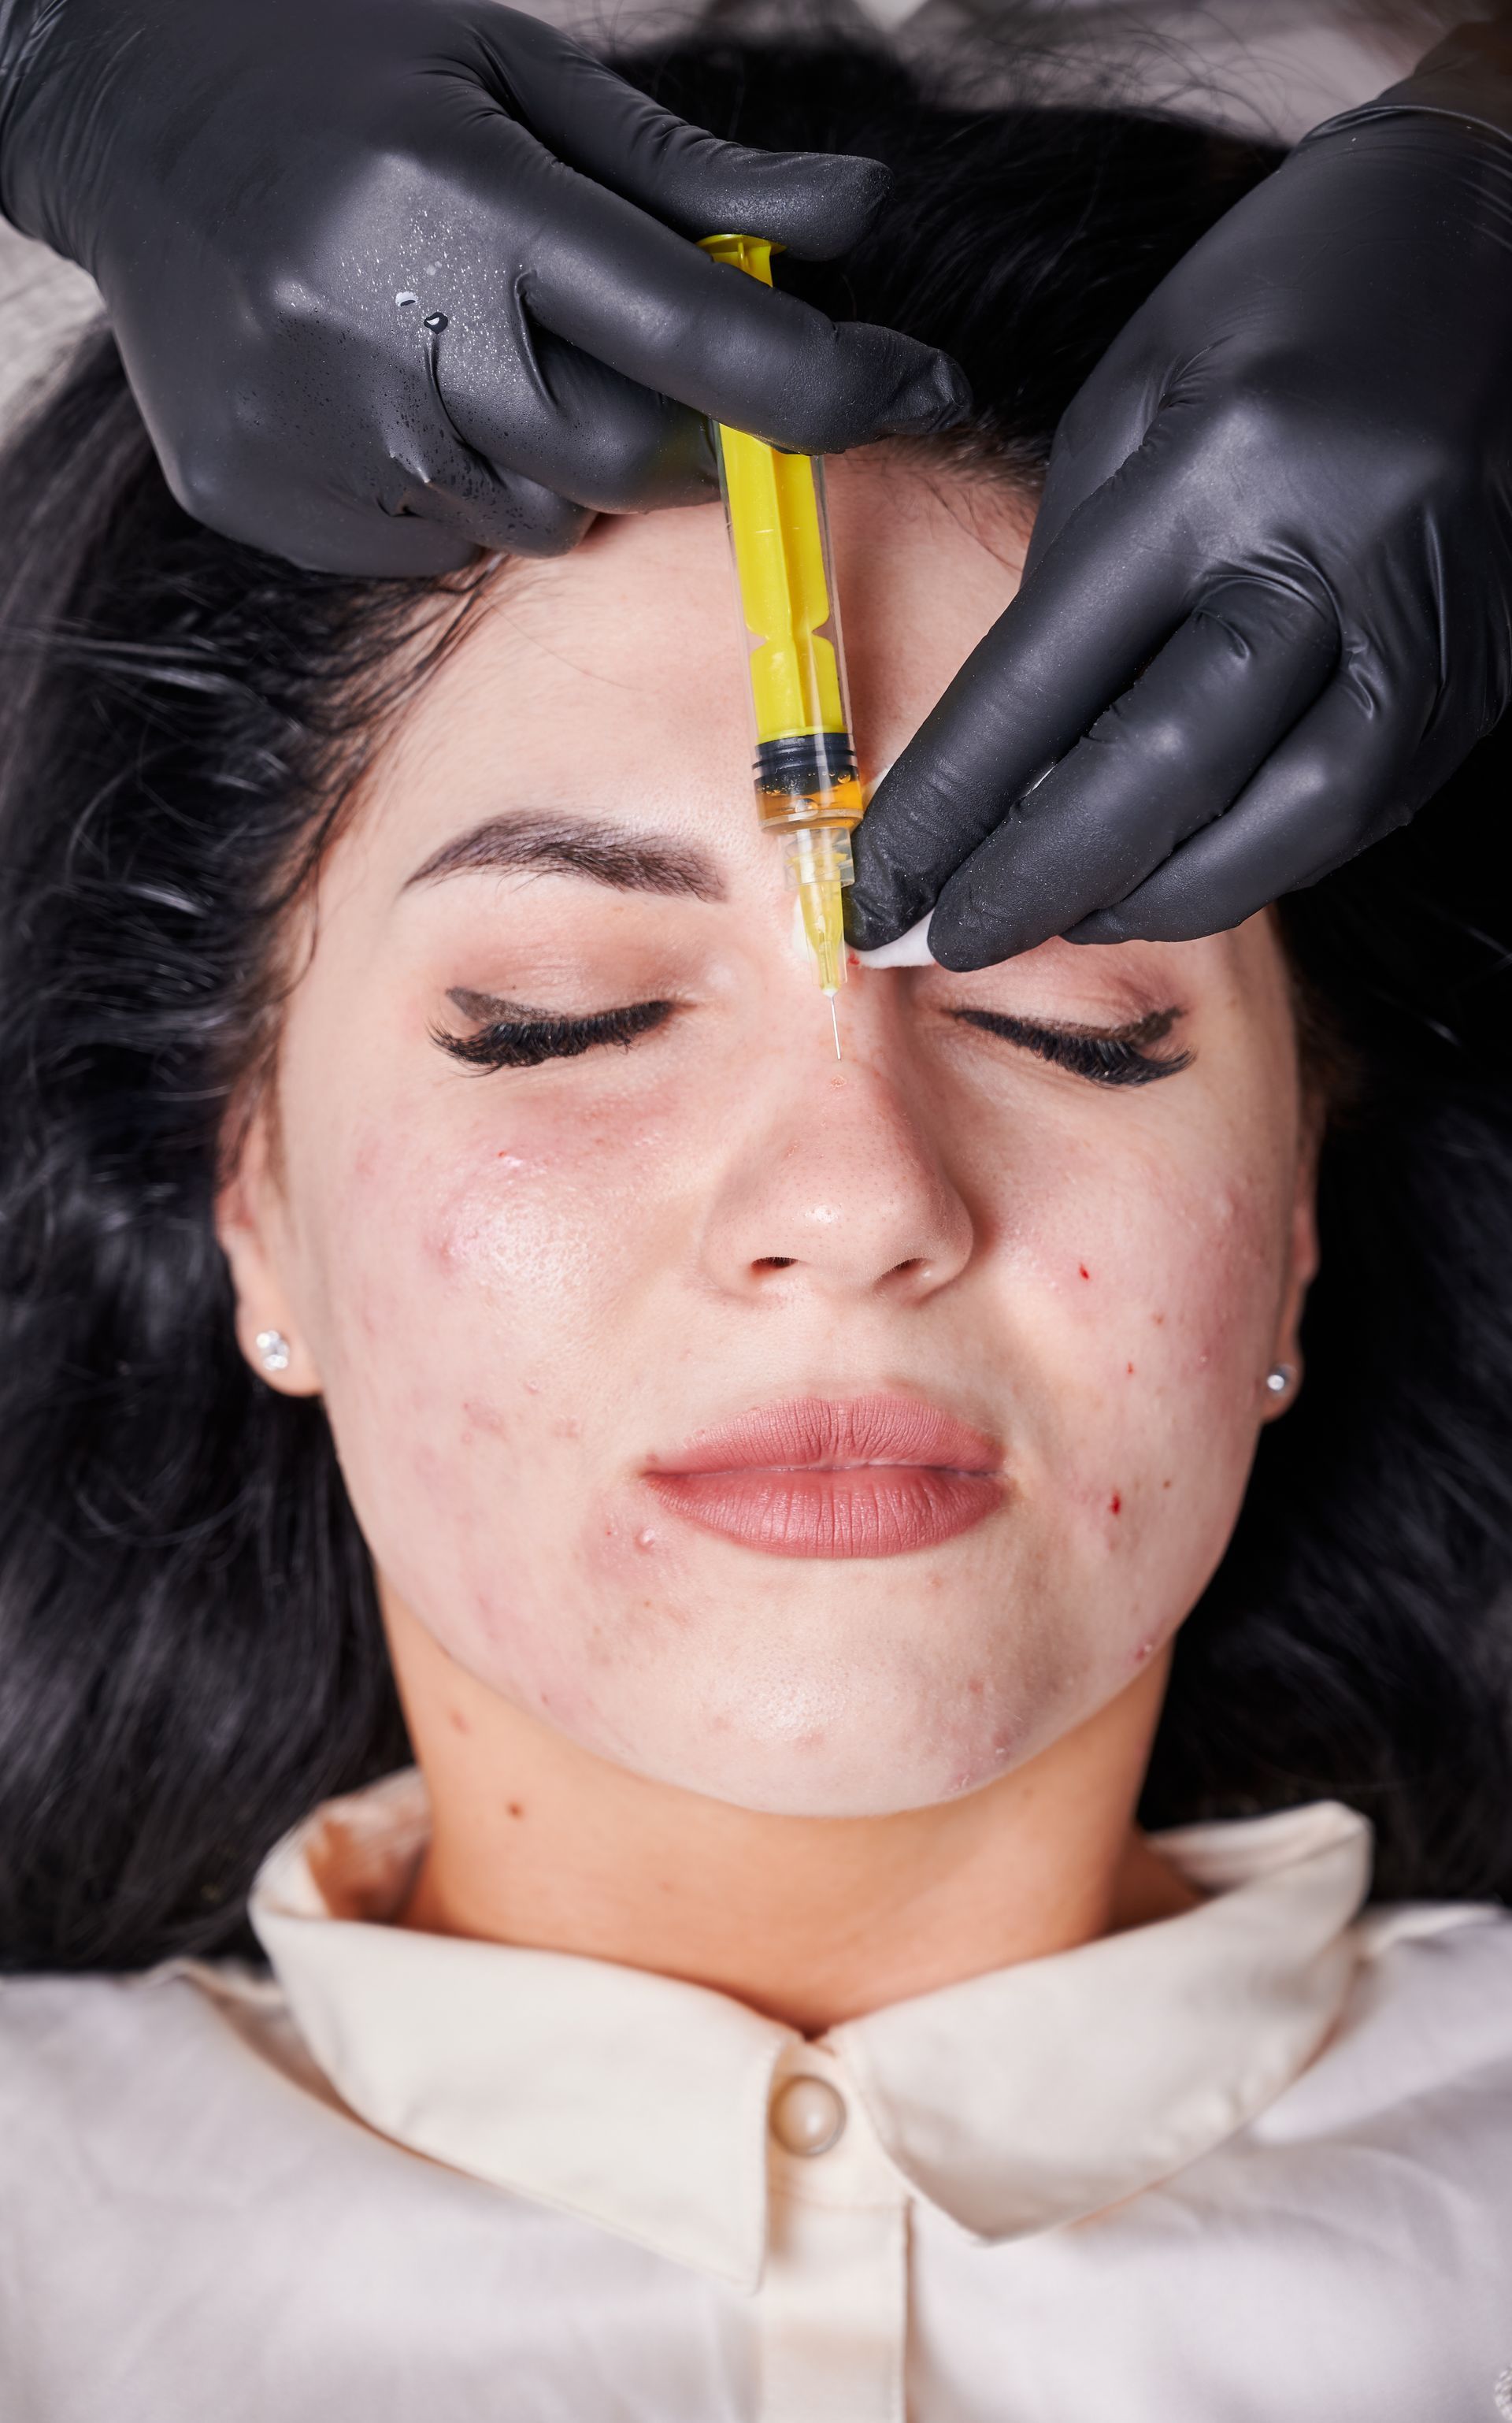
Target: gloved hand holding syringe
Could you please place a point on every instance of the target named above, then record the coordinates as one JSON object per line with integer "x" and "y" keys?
{"x": 1268, "y": 605}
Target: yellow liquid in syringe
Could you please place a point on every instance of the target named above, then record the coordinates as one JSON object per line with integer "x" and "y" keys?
{"x": 806, "y": 789}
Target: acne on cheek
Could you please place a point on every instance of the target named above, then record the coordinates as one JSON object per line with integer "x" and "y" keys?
{"x": 629, "y": 1554}
{"x": 476, "y": 1276}
{"x": 412, "y": 1225}
{"x": 533, "y": 1206}
{"x": 1149, "y": 1463}
{"x": 507, "y": 1607}
{"x": 474, "y": 1506}
{"x": 1184, "y": 1299}
{"x": 499, "y": 1191}
{"x": 1236, "y": 1287}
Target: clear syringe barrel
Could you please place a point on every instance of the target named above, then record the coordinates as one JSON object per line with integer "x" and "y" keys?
{"x": 807, "y": 790}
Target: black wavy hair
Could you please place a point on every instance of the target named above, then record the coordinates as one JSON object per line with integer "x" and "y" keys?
{"x": 190, "y": 1655}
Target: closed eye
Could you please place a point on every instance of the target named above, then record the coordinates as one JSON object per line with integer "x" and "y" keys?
{"x": 522, "y": 1039}
{"x": 1107, "y": 1056}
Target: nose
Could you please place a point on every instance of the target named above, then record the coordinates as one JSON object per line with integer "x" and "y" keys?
{"x": 836, "y": 1182}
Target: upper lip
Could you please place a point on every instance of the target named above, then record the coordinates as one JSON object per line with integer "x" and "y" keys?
{"x": 808, "y": 1433}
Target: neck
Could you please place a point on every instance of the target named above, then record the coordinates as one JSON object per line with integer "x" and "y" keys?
{"x": 813, "y": 1921}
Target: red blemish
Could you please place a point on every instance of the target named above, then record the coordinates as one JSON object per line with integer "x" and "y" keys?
{"x": 516, "y": 1808}
{"x": 1082, "y": 1268}
{"x": 1158, "y": 1319}
{"x": 1165, "y": 1484}
{"x": 976, "y": 1686}
{"x": 459, "y": 1722}
{"x": 1115, "y": 1504}
{"x": 1129, "y": 1369}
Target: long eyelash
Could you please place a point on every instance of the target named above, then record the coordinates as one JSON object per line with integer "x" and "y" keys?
{"x": 1116, "y": 1059}
{"x": 524, "y": 1043}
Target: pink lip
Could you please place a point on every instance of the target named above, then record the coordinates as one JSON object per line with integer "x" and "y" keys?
{"x": 862, "y": 1477}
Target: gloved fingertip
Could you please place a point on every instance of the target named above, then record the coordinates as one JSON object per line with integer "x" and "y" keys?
{"x": 938, "y": 397}
{"x": 962, "y": 943}
{"x": 961, "y": 955}
{"x": 370, "y": 547}
{"x": 530, "y": 524}
{"x": 866, "y": 926}
{"x": 1103, "y": 925}
{"x": 838, "y": 206}
{"x": 875, "y": 919}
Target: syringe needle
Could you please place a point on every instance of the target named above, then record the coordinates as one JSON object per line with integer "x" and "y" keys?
{"x": 834, "y": 1020}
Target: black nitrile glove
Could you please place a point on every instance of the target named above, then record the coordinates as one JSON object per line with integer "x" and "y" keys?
{"x": 393, "y": 278}
{"x": 1269, "y": 603}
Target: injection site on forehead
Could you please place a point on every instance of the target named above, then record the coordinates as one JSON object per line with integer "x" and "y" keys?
{"x": 579, "y": 649}
{"x": 595, "y": 672}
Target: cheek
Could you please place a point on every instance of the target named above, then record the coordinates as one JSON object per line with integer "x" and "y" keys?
{"x": 484, "y": 1231}
{"x": 468, "y": 1309}
{"x": 437, "y": 1272}
{"x": 1156, "y": 1295}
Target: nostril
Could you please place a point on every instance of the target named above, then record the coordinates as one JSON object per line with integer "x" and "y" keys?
{"x": 773, "y": 1262}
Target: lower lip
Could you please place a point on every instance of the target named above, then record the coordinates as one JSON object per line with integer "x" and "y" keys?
{"x": 855, "y": 1510}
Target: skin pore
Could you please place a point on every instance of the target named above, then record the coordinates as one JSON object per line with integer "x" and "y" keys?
{"x": 559, "y": 1178}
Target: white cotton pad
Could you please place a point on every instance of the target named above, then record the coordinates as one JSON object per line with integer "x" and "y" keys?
{"x": 910, "y": 950}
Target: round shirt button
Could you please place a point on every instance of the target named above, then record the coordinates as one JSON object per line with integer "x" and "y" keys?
{"x": 808, "y": 2115}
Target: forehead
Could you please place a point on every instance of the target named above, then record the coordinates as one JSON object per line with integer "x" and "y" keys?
{"x": 613, "y": 680}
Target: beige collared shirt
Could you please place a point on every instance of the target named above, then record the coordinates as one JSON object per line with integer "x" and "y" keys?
{"x": 1251, "y": 2164}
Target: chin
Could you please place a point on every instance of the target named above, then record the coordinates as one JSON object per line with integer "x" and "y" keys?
{"x": 836, "y": 1748}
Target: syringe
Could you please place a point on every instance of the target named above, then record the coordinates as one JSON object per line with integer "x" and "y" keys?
{"x": 807, "y": 787}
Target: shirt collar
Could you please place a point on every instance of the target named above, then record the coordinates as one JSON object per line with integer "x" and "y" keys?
{"x": 1013, "y": 2102}
{"x": 1044, "y": 2092}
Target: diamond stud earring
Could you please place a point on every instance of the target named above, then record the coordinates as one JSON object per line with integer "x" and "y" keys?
{"x": 272, "y": 1350}
{"x": 1279, "y": 1378}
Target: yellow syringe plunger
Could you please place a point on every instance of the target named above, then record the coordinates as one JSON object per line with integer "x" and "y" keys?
{"x": 806, "y": 789}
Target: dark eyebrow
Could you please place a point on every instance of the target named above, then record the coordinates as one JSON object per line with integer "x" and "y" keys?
{"x": 558, "y": 844}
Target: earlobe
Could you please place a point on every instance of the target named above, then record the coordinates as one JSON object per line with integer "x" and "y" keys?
{"x": 1282, "y": 1381}
{"x": 248, "y": 1234}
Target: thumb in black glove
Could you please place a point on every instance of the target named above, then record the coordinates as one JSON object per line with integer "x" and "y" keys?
{"x": 1268, "y": 608}
{"x": 394, "y": 279}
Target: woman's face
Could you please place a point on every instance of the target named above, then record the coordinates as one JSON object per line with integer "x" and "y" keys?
{"x": 824, "y": 1437}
